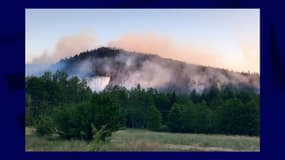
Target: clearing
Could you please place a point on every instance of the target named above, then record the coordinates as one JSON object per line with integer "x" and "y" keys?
{"x": 144, "y": 140}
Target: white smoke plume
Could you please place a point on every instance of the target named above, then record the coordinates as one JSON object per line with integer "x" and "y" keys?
{"x": 98, "y": 83}
{"x": 151, "y": 75}
{"x": 130, "y": 69}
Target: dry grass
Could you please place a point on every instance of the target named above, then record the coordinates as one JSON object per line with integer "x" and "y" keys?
{"x": 52, "y": 143}
{"x": 143, "y": 140}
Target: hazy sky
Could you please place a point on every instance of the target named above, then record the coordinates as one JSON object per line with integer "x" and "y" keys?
{"x": 227, "y": 38}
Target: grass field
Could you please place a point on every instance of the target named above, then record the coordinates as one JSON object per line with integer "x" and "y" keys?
{"x": 144, "y": 140}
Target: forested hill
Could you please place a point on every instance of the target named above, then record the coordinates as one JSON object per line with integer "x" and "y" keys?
{"x": 128, "y": 69}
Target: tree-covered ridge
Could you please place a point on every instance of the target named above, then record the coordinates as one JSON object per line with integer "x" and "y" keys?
{"x": 65, "y": 105}
{"x": 128, "y": 69}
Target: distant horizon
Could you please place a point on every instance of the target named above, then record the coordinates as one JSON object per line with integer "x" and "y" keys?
{"x": 220, "y": 38}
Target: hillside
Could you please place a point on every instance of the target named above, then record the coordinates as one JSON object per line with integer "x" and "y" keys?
{"x": 109, "y": 66}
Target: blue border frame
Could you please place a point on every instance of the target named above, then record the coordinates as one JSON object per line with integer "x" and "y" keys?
{"x": 12, "y": 71}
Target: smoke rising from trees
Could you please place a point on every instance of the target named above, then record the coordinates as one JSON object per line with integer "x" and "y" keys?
{"x": 128, "y": 69}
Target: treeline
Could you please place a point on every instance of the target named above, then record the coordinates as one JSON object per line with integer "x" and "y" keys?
{"x": 45, "y": 93}
{"x": 66, "y": 105}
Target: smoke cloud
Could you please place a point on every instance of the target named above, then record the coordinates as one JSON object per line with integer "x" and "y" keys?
{"x": 150, "y": 75}
{"x": 129, "y": 69}
{"x": 163, "y": 46}
{"x": 191, "y": 53}
{"x": 154, "y": 72}
{"x": 66, "y": 47}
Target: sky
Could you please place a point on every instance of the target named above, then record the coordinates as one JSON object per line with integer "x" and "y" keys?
{"x": 224, "y": 38}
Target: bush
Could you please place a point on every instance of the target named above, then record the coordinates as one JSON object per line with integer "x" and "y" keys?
{"x": 106, "y": 111}
{"x": 74, "y": 121}
{"x": 164, "y": 128}
{"x": 45, "y": 126}
{"x": 98, "y": 138}
{"x": 67, "y": 120}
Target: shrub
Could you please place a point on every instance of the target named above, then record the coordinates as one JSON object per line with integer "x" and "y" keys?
{"x": 98, "y": 139}
{"x": 45, "y": 126}
{"x": 164, "y": 128}
{"x": 74, "y": 121}
{"x": 68, "y": 123}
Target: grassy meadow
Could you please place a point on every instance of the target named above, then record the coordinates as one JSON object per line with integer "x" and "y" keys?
{"x": 144, "y": 140}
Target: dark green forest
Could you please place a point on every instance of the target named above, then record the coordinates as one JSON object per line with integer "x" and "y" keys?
{"x": 57, "y": 103}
